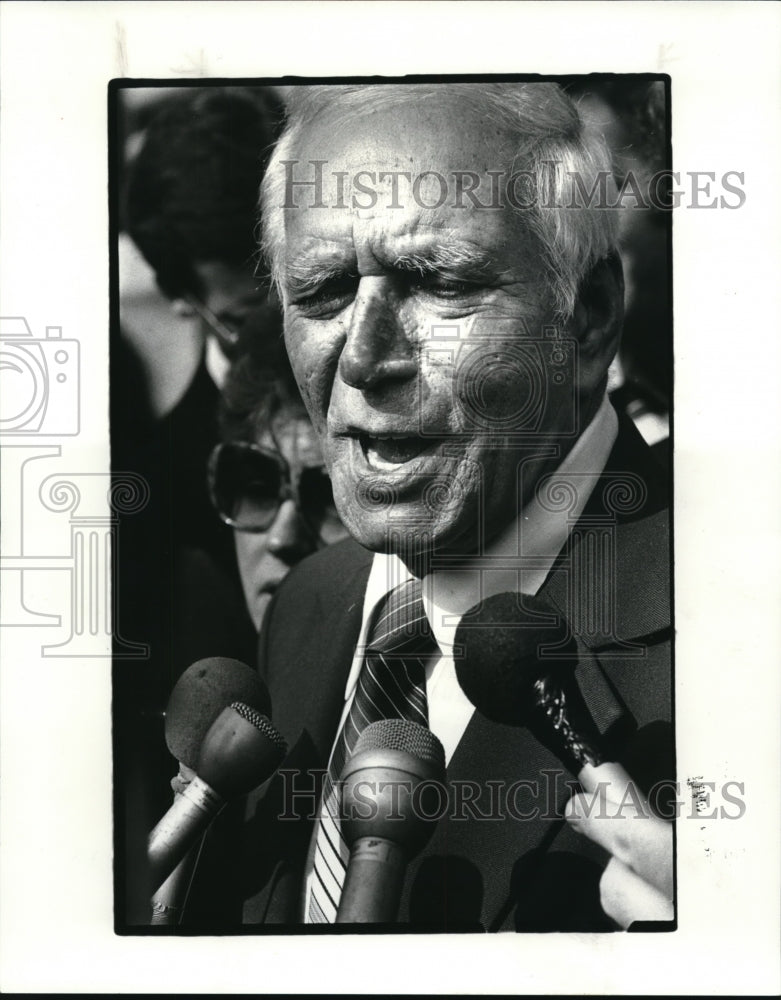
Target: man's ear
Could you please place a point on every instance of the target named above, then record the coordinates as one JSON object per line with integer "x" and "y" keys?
{"x": 598, "y": 318}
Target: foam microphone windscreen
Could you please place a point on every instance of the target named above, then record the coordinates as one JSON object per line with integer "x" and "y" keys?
{"x": 502, "y": 644}
{"x": 200, "y": 695}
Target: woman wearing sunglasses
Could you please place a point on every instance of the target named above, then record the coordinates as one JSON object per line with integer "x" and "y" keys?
{"x": 267, "y": 479}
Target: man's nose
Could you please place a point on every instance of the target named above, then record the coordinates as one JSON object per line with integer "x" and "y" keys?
{"x": 288, "y": 538}
{"x": 377, "y": 348}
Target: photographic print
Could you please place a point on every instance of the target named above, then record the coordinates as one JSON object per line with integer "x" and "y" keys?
{"x": 389, "y": 555}
{"x": 391, "y": 365}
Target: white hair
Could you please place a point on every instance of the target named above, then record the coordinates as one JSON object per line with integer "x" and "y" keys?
{"x": 564, "y": 160}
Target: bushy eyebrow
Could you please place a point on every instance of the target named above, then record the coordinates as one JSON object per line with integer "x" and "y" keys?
{"x": 310, "y": 271}
{"x": 455, "y": 255}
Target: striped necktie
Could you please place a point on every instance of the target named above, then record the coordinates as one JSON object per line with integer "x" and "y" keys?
{"x": 391, "y": 685}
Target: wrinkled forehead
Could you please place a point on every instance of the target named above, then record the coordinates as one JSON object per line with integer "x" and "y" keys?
{"x": 384, "y": 183}
{"x": 432, "y": 132}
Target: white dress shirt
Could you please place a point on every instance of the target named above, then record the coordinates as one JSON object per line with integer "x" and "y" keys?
{"x": 518, "y": 559}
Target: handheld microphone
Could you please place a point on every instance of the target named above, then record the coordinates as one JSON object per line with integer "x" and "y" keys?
{"x": 517, "y": 668}
{"x": 519, "y": 672}
{"x": 394, "y": 768}
{"x": 240, "y": 751}
{"x": 198, "y": 697}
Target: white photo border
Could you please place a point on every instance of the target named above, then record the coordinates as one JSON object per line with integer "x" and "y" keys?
{"x": 57, "y": 841}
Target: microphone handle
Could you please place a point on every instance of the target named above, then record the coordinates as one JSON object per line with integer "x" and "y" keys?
{"x": 178, "y": 830}
{"x": 373, "y": 883}
{"x": 169, "y": 901}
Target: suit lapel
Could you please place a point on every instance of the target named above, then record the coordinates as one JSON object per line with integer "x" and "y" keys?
{"x": 305, "y": 656}
{"x": 308, "y": 690}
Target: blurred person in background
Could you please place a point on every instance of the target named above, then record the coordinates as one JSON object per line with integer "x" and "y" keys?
{"x": 267, "y": 478}
{"x": 268, "y": 482}
{"x": 188, "y": 285}
{"x": 190, "y": 209}
{"x": 631, "y": 115}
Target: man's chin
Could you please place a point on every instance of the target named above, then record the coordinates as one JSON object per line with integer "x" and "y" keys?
{"x": 412, "y": 536}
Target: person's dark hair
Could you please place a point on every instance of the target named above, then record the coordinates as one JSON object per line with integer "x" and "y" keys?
{"x": 260, "y": 382}
{"x": 192, "y": 189}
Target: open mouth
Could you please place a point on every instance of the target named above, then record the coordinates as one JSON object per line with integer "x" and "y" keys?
{"x": 385, "y": 453}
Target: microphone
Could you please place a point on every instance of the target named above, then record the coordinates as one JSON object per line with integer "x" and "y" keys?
{"x": 517, "y": 668}
{"x": 387, "y": 782}
{"x": 198, "y": 697}
{"x": 240, "y": 751}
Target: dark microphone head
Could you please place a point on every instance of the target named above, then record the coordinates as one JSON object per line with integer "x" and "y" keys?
{"x": 516, "y": 665}
{"x": 241, "y": 749}
{"x": 503, "y": 645}
{"x": 393, "y": 784}
{"x": 200, "y": 694}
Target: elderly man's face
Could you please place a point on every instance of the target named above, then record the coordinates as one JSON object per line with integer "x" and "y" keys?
{"x": 399, "y": 319}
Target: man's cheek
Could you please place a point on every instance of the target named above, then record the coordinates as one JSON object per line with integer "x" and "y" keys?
{"x": 344, "y": 487}
{"x": 351, "y": 504}
{"x": 436, "y": 405}
{"x": 501, "y": 392}
{"x": 314, "y": 356}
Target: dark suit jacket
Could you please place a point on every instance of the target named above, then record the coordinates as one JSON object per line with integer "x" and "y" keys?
{"x": 483, "y": 873}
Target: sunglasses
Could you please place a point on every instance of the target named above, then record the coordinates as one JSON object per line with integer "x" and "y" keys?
{"x": 248, "y": 484}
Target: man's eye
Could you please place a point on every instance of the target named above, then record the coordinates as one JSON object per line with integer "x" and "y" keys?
{"x": 444, "y": 288}
{"x": 328, "y": 298}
